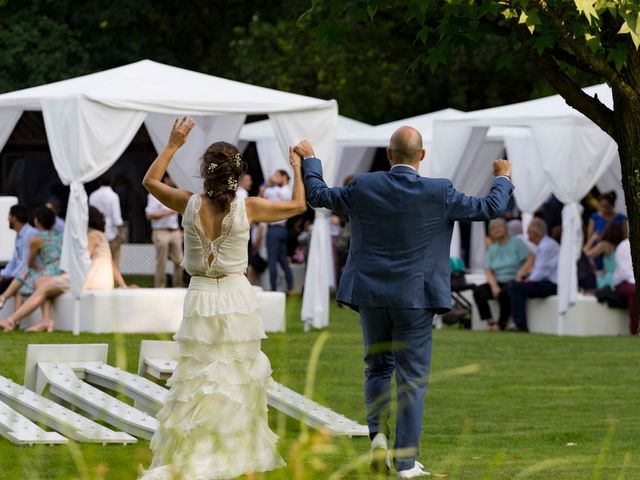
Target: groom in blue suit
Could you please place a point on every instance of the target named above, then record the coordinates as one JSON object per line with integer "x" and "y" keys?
{"x": 397, "y": 275}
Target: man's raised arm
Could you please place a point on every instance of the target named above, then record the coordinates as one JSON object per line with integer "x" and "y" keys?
{"x": 338, "y": 199}
{"x": 464, "y": 207}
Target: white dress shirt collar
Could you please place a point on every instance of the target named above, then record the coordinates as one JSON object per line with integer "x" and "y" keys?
{"x": 403, "y": 165}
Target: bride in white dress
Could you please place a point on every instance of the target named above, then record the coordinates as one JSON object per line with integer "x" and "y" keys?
{"x": 214, "y": 422}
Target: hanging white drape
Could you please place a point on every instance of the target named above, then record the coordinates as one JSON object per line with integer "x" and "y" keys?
{"x": 477, "y": 181}
{"x": 8, "y": 120}
{"x": 185, "y": 166}
{"x": 529, "y": 177}
{"x": 319, "y": 127}
{"x": 574, "y": 157}
{"x": 85, "y": 139}
{"x": 271, "y": 158}
{"x": 352, "y": 161}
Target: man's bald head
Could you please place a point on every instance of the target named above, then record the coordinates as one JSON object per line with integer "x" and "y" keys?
{"x": 405, "y": 146}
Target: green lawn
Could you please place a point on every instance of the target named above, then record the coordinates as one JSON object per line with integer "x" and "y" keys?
{"x": 501, "y": 406}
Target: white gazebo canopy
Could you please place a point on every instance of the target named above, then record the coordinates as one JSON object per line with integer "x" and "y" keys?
{"x": 561, "y": 152}
{"x": 90, "y": 120}
{"x": 263, "y": 134}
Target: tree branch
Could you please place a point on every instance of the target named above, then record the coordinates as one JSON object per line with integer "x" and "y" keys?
{"x": 599, "y": 66}
{"x": 557, "y": 52}
{"x": 569, "y": 59}
{"x": 593, "y": 108}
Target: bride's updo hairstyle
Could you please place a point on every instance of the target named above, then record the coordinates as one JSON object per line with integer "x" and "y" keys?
{"x": 221, "y": 168}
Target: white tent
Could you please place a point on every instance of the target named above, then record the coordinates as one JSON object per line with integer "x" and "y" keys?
{"x": 90, "y": 120}
{"x": 263, "y": 135}
{"x": 562, "y": 152}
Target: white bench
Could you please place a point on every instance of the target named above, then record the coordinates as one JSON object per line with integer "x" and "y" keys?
{"x": 140, "y": 310}
{"x": 586, "y": 317}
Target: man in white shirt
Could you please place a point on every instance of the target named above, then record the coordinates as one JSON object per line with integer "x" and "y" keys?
{"x": 277, "y": 232}
{"x": 244, "y": 185}
{"x": 167, "y": 238}
{"x": 108, "y": 202}
{"x": 541, "y": 281}
{"x": 625, "y": 283}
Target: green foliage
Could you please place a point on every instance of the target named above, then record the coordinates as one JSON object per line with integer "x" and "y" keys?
{"x": 604, "y": 26}
{"x": 376, "y": 71}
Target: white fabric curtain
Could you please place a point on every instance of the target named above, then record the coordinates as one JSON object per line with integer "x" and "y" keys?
{"x": 470, "y": 173}
{"x": 529, "y": 177}
{"x": 85, "y": 139}
{"x": 454, "y": 247}
{"x": 353, "y": 160}
{"x": 271, "y": 158}
{"x": 319, "y": 126}
{"x": 478, "y": 181}
{"x": 574, "y": 157}
{"x": 8, "y": 120}
{"x": 185, "y": 167}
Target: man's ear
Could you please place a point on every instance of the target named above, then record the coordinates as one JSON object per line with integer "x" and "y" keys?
{"x": 390, "y": 155}
{"x": 422, "y": 155}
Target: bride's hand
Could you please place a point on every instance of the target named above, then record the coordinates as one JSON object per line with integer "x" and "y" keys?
{"x": 180, "y": 132}
{"x": 294, "y": 158}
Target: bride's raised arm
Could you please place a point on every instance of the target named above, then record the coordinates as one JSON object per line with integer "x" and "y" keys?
{"x": 171, "y": 197}
{"x": 261, "y": 210}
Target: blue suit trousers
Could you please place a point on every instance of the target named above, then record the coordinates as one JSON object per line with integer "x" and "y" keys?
{"x": 397, "y": 341}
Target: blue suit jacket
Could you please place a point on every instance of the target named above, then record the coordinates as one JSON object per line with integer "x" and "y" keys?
{"x": 401, "y": 226}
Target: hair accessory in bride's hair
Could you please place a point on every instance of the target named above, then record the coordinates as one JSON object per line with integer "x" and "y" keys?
{"x": 211, "y": 167}
{"x": 210, "y": 193}
{"x": 233, "y": 184}
{"x": 237, "y": 160}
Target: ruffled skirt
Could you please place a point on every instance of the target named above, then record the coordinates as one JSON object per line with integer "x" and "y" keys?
{"x": 214, "y": 422}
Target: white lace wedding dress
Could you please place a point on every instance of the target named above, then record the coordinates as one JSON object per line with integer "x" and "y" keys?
{"x": 214, "y": 422}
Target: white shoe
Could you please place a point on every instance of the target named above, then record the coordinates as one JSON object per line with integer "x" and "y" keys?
{"x": 415, "y": 472}
{"x": 380, "y": 444}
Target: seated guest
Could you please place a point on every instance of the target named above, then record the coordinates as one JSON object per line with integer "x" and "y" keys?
{"x": 543, "y": 279}
{"x": 611, "y": 237}
{"x": 606, "y": 213}
{"x": 100, "y": 277}
{"x": 625, "y": 282}
{"x": 507, "y": 257}
{"x": 18, "y": 221}
{"x": 43, "y": 258}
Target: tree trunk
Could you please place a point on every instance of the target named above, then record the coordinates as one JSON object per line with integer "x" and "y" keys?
{"x": 627, "y": 136}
